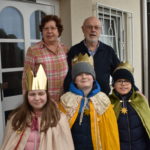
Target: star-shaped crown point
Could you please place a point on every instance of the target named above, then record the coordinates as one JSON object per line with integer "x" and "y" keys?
{"x": 38, "y": 82}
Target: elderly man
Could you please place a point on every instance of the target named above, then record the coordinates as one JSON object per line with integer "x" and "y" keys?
{"x": 105, "y": 59}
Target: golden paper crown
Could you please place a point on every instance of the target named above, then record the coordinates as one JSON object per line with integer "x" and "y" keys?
{"x": 39, "y": 82}
{"x": 83, "y": 58}
{"x": 125, "y": 65}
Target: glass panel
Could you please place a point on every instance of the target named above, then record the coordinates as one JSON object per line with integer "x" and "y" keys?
{"x": 12, "y": 82}
{"x": 7, "y": 113}
{"x": 11, "y": 24}
{"x": 33, "y": 43}
{"x": 35, "y": 20}
{"x": 108, "y": 40}
{"x": 111, "y": 41}
{"x": 108, "y": 29}
{"x": 12, "y": 54}
{"x": 109, "y": 34}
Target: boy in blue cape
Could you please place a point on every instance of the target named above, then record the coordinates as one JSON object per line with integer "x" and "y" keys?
{"x": 92, "y": 119}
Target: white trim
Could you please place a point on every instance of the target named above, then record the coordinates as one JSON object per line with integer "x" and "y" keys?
{"x": 7, "y": 102}
{"x": 11, "y": 40}
{"x": 1, "y": 122}
{"x": 25, "y": 9}
{"x": 113, "y": 8}
{"x": 12, "y": 69}
{"x": 145, "y": 48}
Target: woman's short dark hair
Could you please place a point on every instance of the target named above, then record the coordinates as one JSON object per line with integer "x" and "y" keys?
{"x": 54, "y": 18}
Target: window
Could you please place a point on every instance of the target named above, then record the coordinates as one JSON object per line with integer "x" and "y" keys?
{"x": 35, "y": 20}
{"x": 10, "y": 19}
{"x": 11, "y": 38}
{"x": 117, "y": 30}
{"x": 11, "y": 50}
{"x": 17, "y": 20}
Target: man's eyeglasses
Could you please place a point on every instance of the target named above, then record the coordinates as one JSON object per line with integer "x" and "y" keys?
{"x": 89, "y": 27}
{"x": 49, "y": 28}
{"x": 123, "y": 82}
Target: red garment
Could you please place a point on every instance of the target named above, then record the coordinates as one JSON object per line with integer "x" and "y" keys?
{"x": 34, "y": 137}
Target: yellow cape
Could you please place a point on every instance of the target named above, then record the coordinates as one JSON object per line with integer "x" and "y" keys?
{"x": 104, "y": 129}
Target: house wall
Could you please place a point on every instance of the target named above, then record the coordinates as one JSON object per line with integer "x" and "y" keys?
{"x": 65, "y": 13}
{"x": 73, "y": 13}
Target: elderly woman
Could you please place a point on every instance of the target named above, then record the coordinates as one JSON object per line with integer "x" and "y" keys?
{"x": 51, "y": 53}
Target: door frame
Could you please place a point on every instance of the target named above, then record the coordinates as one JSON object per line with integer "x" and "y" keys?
{"x": 25, "y": 9}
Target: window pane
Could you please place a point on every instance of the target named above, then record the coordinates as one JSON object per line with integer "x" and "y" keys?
{"x": 35, "y": 20}
{"x": 12, "y": 54}
{"x": 7, "y": 113}
{"x": 108, "y": 29}
{"x": 110, "y": 35}
{"x": 109, "y": 40}
{"x": 11, "y": 24}
{"x": 12, "y": 80}
{"x": 115, "y": 26}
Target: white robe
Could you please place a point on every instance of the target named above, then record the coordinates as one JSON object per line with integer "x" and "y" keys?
{"x": 56, "y": 138}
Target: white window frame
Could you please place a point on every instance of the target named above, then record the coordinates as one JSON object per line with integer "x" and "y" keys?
{"x": 124, "y": 47}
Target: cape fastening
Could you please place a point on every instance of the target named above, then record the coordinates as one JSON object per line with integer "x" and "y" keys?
{"x": 38, "y": 82}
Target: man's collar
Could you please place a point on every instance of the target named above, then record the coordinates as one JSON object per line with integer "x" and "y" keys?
{"x": 84, "y": 41}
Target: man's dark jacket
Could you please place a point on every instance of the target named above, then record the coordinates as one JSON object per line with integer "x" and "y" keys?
{"x": 105, "y": 61}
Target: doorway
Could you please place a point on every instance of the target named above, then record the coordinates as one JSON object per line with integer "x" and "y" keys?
{"x": 18, "y": 30}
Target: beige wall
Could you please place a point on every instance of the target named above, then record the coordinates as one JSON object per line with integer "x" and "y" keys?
{"x": 75, "y": 11}
{"x": 65, "y": 14}
{"x": 80, "y": 10}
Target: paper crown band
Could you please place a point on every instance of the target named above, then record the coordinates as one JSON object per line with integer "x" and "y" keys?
{"x": 125, "y": 65}
{"x": 38, "y": 82}
{"x": 83, "y": 58}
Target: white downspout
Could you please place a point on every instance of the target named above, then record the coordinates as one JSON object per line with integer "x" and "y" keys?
{"x": 144, "y": 47}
